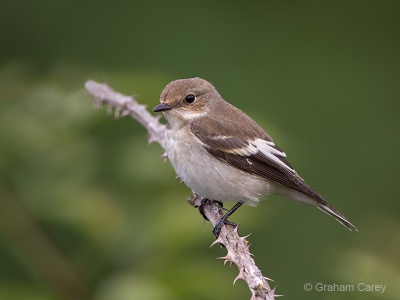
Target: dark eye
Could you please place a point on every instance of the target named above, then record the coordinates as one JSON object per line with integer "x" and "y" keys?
{"x": 190, "y": 99}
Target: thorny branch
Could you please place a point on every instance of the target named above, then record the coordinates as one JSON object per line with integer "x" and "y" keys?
{"x": 237, "y": 247}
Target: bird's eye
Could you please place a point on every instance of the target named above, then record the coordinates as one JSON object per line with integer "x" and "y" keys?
{"x": 190, "y": 98}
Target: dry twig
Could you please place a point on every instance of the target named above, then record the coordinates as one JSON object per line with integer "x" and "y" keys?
{"x": 237, "y": 247}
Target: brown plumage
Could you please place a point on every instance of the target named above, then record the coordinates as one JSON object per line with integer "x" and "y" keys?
{"x": 213, "y": 145}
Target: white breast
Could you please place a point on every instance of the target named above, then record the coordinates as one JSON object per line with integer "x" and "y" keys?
{"x": 207, "y": 176}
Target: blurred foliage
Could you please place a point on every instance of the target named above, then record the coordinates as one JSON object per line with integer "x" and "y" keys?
{"x": 89, "y": 211}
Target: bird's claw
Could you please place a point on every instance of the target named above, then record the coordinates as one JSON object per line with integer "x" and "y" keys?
{"x": 217, "y": 228}
{"x": 205, "y": 201}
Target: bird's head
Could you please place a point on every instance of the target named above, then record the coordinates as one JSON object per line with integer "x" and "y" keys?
{"x": 184, "y": 100}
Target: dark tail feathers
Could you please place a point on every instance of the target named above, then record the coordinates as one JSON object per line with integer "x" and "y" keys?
{"x": 330, "y": 210}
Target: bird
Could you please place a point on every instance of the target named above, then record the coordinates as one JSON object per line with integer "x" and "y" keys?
{"x": 222, "y": 154}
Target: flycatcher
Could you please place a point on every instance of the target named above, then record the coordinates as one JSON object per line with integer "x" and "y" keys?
{"x": 222, "y": 154}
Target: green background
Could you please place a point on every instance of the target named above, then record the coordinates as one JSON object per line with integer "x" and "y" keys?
{"x": 89, "y": 211}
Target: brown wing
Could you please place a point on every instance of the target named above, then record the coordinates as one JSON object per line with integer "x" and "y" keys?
{"x": 250, "y": 150}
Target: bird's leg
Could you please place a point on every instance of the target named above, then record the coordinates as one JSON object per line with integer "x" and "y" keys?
{"x": 224, "y": 219}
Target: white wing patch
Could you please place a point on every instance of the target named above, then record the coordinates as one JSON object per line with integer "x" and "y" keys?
{"x": 255, "y": 146}
{"x": 267, "y": 148}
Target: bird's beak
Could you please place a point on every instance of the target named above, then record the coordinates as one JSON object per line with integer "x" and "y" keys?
{"x": 162, "y": 107}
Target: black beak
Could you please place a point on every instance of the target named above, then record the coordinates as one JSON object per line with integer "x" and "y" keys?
{"x": 162, "y": 107}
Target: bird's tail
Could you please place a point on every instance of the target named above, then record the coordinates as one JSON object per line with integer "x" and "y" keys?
{"x": 330, "y": 210}
{"x": 310, "y": 197}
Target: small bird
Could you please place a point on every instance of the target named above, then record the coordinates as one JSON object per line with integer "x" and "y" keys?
{"x": 224, "y": 155}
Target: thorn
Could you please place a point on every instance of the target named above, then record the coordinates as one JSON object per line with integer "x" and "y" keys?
{"x": 190, "y": 199}
{"x": 226, "y": 259}
{"x": 269, "y": 279}
{"x": 248, "y": 247}
{"x": 124, "y": 113}
{"x": 217, "y": 241}
{"x": 164, "y": 156}
{"x": 240, "y": 276}
{"x": 273, "y": 292}
{"x": 243, "y": 238}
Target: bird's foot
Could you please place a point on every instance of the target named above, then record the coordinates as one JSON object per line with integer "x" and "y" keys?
{"x": 217, "y": 228}
{"x": 205, "y": 201}
{"x": 224, "y": 219}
